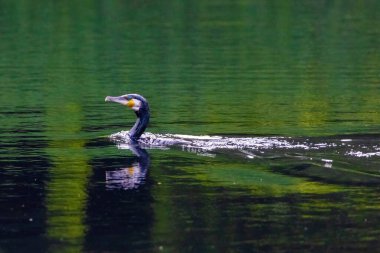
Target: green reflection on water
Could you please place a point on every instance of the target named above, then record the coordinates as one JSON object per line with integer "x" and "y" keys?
{"x": 66, "y": 189}
{"x": 231, "y": 206}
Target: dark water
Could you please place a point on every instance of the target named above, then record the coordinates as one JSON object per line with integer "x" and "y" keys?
{"x": 304, "y": 70}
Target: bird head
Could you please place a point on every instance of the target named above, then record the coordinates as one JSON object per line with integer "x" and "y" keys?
{"x": 134, "y": 101}
{"x": 138, "y": 104}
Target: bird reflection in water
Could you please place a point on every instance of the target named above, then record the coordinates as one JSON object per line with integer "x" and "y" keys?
{"x": 130, "y": 177}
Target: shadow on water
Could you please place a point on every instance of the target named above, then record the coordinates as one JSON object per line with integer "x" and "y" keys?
{"x": 119, "y": 211}
{"x": 23, "y": 176}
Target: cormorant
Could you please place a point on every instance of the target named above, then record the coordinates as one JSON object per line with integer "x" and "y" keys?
{"x": 141, "y": 107}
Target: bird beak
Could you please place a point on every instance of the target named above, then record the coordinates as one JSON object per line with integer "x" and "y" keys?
{"x": 120, "y": 100}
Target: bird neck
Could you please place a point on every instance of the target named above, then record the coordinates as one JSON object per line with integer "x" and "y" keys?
{"x": 139, "y": 127}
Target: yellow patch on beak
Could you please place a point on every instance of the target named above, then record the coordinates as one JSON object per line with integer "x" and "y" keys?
{"x": 130, "y": 103}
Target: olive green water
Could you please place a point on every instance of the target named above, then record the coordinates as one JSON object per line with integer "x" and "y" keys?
{"x": 249, "y": 68}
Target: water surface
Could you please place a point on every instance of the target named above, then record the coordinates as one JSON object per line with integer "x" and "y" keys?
{"x": 302, "y": 73}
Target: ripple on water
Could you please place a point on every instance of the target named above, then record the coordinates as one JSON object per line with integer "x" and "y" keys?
{"x": 209, "y": 143}
{"x": 204, "y": 143}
